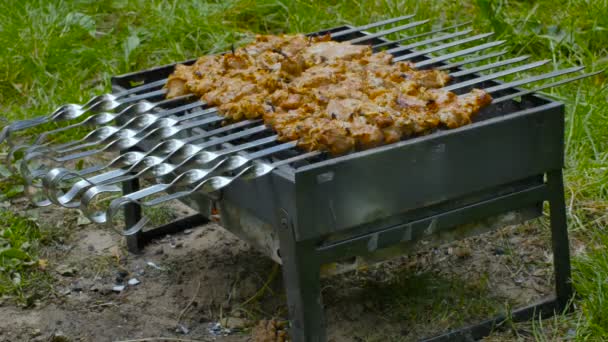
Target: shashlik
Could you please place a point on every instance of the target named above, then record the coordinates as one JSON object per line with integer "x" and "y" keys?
{"x": 326, "y": 95}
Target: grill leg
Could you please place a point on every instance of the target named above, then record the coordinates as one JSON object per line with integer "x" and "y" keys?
{"x": 559, "y": 238}
{"x": 132, "y": 212}
{"x": 301, "y": 275}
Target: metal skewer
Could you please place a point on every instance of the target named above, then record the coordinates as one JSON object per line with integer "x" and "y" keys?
{"x": 372, "y": 25}
{"x": 200, "y": 158}
{"x": 236, "y": 162}
{"x": 489, "y": 66}
{"x": 425, "y": 34}
{"x": 470, "y": 60}
{"x": 186, "y": 178}
{"x": 192, "y": 151}
{"x": 429, "y": 41}
{"x": 464, "y": 52}
{"x": 72, "y": 111}
{"x": 159, "y": 154}
{"x": 495, "y": 75}
{"x": 110, "y": 101}
{"x": 387, "y": 32}
{"x": 444, "y": 46}
{"x": 97, "y": 120}
{"x": 105, "y": 134}
{"x": 108, "y": 117}
{"x": 209, "y": 185}
{"x": 111, "y": 134}
{"x": 127, "y": 138}
{"x": 546, "y": 86}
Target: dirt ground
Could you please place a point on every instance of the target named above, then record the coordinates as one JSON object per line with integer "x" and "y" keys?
{"x": 207, "y": 285}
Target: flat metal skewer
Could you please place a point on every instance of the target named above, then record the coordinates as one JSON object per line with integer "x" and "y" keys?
{"x": 372, "y": 25}
{"x": 434, "y": 48}
{"x": 192, "y": 149}
{"x": 444, "y": 46}
{"x": 71, "y": 111}
{"x": 387, "y": 32}
{"x": 119, "y": 131}
{"x": 531, "y": 79}
{"x": 105, "y": 102}
{"x": 160, "y": 153}
{"x": 128, "y": 141}
{"x": 425, "y": 34}
{"x": 489, "y": 66}
{"x": 105, "y": 117}
{"x": 481, "y": 79}
{"x": 93, "y": 192}
{"x": 214, "y": 182}
{"x": 429, "y": 41}
{"x": 545, "y": 86}
{"x": 218, "y": 182}
{"x": 187, "y": 164}
{"x": 471, "y": 60}
{"x": 125, "y": 140}
{"x": 459, "y": 53}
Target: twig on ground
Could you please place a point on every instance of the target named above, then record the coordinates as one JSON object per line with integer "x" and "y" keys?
{"x": 179, "y": 318}
{"x": 102, "y": 305}
{"x": 266, "y": 285}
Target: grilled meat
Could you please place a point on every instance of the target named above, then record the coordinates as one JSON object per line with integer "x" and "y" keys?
{"x": 324, "y": 94}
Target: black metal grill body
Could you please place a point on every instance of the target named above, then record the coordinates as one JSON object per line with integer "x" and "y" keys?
{"x": 326, "y": 210}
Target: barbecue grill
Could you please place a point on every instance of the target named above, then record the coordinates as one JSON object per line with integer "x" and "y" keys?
{"x": 306, "y": 210}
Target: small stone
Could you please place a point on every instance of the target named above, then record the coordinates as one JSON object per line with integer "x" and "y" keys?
{"x": 234, "y": 323}
{"x": 58, "y": 336}
{"x": 120, "y": 276}
{"x": 66, "y": 271}
{"x": 182, "y": 329}
{"x": 77, "y": 286}
{"x": 133, "y": 282}
{"x": 82, "y": 221}
{"x": 187, "y": 231}
{"x": 95, "y": 288}
{"x": 462, "y": 252}
{"x": 499, "y": 251}
{"x": 36, "y": 332}
{"x": 215, "y": 329}
{"x": 177, "y": 244}
{"x": 153, "y": 265}
{"x": 106, "y": 290}
{"x": 118, "y": 288}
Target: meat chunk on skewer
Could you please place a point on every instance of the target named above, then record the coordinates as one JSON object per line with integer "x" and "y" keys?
{"x": 326, "y": 95}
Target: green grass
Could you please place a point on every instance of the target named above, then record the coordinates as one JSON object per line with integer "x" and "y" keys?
{"x": 427, "y": 297}
{"x": 55, "y": 52}
{"x": 20, "y": 240}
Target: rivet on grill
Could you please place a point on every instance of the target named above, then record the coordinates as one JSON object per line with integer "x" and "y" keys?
{"x": 284, "y": 223}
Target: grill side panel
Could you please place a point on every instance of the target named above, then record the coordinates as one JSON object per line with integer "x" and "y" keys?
{"x": 364, "y": 187}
